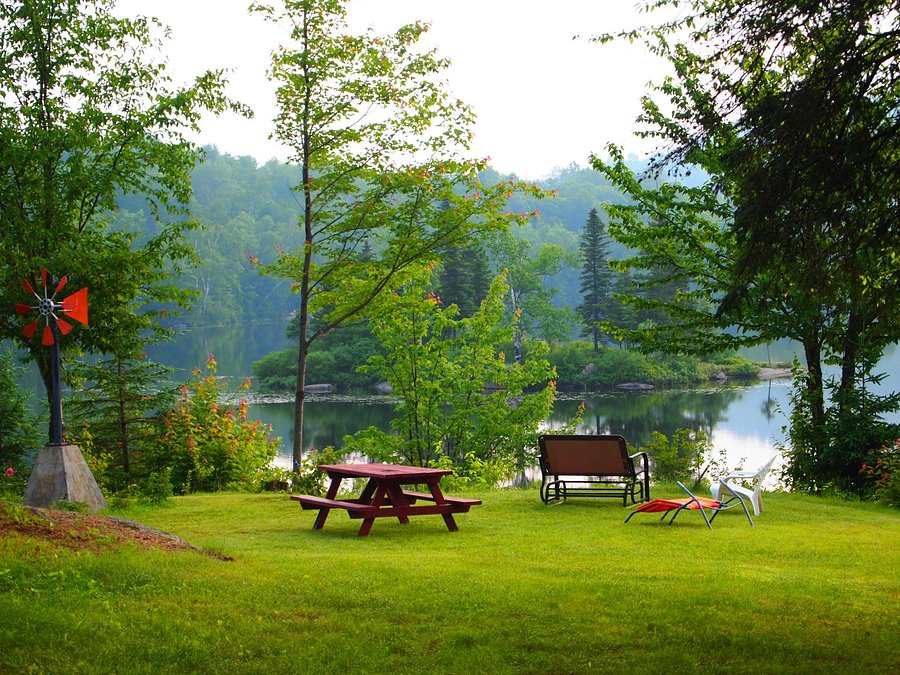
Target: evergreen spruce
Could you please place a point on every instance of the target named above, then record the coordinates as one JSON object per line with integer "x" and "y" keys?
{"x": 596, "y": 277}
{"x": 464, "y": 278}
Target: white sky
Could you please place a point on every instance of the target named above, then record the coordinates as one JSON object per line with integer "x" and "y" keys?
{"x": 543, "y": 100}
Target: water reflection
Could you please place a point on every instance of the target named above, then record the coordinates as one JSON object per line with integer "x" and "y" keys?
{"x": 235, "y": 347}
{"x": 731, "y": 415}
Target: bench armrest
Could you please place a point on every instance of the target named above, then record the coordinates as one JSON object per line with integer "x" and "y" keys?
{"x": 645, "y": 462}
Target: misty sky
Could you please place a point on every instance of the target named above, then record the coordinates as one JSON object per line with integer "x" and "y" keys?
{"x": 543, "y": 99}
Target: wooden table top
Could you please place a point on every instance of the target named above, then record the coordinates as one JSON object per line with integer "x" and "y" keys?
{"x": 384, "y": 471}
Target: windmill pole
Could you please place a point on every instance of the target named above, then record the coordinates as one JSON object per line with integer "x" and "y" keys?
{"x": 56, "y": 433}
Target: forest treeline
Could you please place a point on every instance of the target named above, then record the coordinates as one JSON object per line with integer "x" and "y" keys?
{"x": 247, "y": 212}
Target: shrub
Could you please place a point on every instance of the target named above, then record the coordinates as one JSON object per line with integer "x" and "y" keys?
{"x": 826, "y": 458}
{"x": 207, "y": 446}
{"x": 679, "y": 457}
{"x": 308, "y": 479}
{"x": 735, "y": 366}
{"x": 157, "y": 488}
{"x": 12, "y": 483}
{"x": 19, "y": 434}
{"x": 335, "y": 360}
{"x": 882, "y": 474}
{"x": 276, "y": 371}
{"x": 459, "y": 398}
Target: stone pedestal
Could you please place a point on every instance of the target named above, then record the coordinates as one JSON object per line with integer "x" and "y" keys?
{"x": 60, "y": 472}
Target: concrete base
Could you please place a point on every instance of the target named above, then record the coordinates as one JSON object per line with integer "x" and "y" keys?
{"x": 60, "y": 472}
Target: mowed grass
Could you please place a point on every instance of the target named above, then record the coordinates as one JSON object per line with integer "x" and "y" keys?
{"x": 520, "y": 588}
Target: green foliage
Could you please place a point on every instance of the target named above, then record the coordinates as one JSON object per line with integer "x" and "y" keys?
{"x": 678, "y": 458}
{"x": 884, "y": 474}
{"x": 531, "y": 310}
{"x": 111, "y": 414}
{"x": 596, "y": 277}
{"x": 379, "y": 142}
{"x": 460, "y": 401}
{"x": 276, "y": 371}
{"x": 19, "y": 434}
{"x": 87, "y": 114}
{"x": 789, "y": 108}
{"x": 308, "y": 479}
{"x": 12, "y": 483}
{"x": 828, "y": 458}
{"x": 335, "y": 361}
{"x": 732, "y": 366}
{"x": 578, "y": 364}
{"x": 157, "y": 488}
{"x": 464, "y": 277}
{"x": 206, "y": 445}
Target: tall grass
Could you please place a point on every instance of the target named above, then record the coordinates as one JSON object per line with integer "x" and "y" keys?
{"x": 521, "y": 587}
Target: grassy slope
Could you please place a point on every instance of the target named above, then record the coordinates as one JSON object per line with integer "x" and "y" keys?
{"x": 521, "y": 587}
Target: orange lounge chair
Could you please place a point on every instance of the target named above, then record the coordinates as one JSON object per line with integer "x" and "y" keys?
{"x": 692, "y": 502}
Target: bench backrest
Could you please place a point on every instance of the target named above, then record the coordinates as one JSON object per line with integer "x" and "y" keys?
{"x": 583, "y": 455}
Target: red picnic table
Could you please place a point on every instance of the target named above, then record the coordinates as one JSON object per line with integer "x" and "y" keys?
{"x": 384, "y": 496}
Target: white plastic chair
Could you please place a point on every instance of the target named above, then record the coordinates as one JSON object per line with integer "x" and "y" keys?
{"x": 746, "y": 483}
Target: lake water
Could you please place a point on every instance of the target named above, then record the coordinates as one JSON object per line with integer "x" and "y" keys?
{"x": 745, "y": 421}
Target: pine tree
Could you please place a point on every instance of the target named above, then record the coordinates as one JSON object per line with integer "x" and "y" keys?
{"x": 596, "y": 277}
{"x": 464, "y": 278}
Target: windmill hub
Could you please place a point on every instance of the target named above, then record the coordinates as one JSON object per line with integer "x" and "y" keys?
{"x": 46, "y": 307}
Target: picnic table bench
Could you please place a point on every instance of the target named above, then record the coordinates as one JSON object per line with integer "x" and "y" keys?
{"x": 384, "y": 496}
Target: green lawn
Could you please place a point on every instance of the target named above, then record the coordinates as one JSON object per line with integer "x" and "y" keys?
{"x": 521, "y": 587}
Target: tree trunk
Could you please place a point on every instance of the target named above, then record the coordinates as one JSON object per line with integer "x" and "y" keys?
{"x": 815, "y": 391}
{"x": 299, "y": 397}
{"x": 123, "y": 426}
{"x": 302, "y": 338}
{"x": 850, "y": 356}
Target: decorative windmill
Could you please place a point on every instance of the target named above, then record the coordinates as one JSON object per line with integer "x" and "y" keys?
{"x": 49, "y": 310}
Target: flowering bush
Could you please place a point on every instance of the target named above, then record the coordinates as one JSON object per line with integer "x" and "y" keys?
{"x": 11, "y": 484}
{"x": 206, "y": 445}
{"x": 882, "y": 473}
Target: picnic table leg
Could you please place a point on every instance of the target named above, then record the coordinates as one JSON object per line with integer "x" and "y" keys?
{"x": 378, "y": 491}
{"x": 395, "y": 492}
{"x": 368, "y": 492}
{"x": 439, "y": 499}
{"x": 331, "y": 494}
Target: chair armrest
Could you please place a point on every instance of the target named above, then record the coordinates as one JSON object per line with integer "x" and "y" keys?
{"x": 740, "y": 474}
{"x": 728, "y": 485}
{"x": 645, "y": 461}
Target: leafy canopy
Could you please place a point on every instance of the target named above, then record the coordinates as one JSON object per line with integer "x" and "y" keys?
{"x": 86, "y": 115}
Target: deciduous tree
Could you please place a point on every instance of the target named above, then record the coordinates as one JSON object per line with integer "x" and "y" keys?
{"x": 791, "y": 110}
{"x": 86, "y": 115}
{"x": 460, "y": 401}
{"x": 380, "y": 144}
{"x": 530, "y": 298}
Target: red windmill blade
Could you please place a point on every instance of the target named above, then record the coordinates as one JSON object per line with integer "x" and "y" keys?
{"x": 28, "y": 287}
{"x": 76, "y": 306}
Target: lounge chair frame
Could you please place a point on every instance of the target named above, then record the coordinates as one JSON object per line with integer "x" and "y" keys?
{"x": 692, "y": 503}
{"x": 583, "y": 465}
